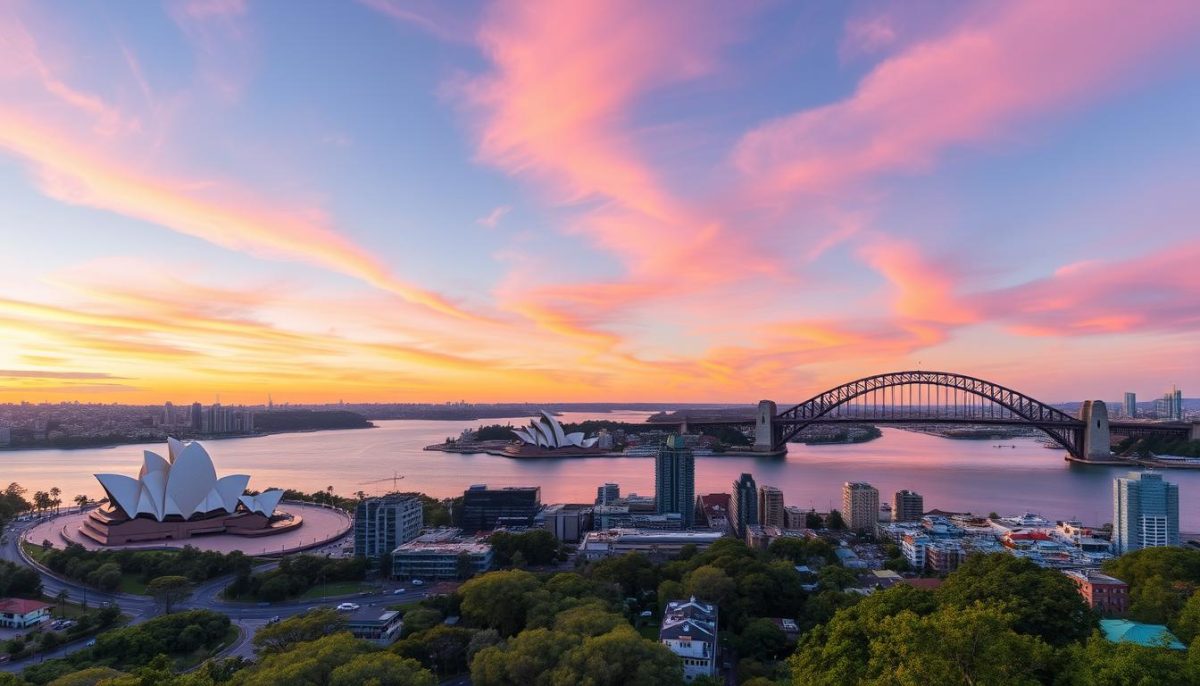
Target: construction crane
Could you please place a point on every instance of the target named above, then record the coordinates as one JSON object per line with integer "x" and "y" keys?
{"x": 394, "y": 478}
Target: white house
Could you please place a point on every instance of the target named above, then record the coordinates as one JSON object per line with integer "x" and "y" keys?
{"x": 19, "y": 613}
{"x": 689, "y": 629}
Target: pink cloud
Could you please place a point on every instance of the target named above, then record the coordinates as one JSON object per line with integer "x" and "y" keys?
{"x": 1017, "y": 61}
{"x": 1154, "y": 292}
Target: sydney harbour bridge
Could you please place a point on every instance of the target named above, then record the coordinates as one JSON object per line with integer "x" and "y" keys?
{"x": 928, "y": 397}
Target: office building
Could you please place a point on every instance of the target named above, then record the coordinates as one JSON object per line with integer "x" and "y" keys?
{"x": 1170, "y": 406}
{"x": 197, "y": 416}
{"x": 381, "y": 524}
{"x": 712, "y": 511}
{"x": 907, "y": 506}
{"x": 377, "y": 625}
{"x": 675, "y": 480}
{"x": 794, "y": 517}
{"x": 689, "y": 629}
{"x": 608, "y": 494}
{"x": 1103, "y": 593}
{"x": 1130, "y": 405}
{"x": 567, "y": 522}
{"x": 168, "y": 418}
{"x": 860, "y": 506}
{"x": 658, "y": 545}
{"x": 441, "y": 554}
{"x": 743, "y": 505}
{"x": 770, "y": 507}
{"x": 487, "y": 508}
{"x": 1145, "y": 512}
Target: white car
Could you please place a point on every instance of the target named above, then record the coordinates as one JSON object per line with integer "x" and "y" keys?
{"x": 398, "y": 591}
{"x": 418, "y": 582}
{"x": 347, "y": 607}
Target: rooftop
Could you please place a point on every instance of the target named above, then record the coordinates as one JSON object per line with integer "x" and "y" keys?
{"x": 21, "y": 606}
{"x": 1148, "y": 635}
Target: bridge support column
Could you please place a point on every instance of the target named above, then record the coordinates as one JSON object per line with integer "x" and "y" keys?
{"x": 1195, "y": 431}
{"x": 764, "y": 427}
{"x": 1097, "y": 442}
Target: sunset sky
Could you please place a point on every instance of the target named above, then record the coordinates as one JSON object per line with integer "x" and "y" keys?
{"x": 392, "y": 200}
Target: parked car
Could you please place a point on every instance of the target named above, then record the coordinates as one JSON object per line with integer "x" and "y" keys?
{"x": 398, "y": 591}
{"x": 90, "y": 643}
{"x": 273, "y": 620}
{"x": 418, "y": 582}
{"x": 347, "y": 607}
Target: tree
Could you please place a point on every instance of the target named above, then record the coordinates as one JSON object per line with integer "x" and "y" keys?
{"x": 381, "y": 669}
{"x": 710, "y": 584}
{"x": 1102, "y": 663}
{"x": 81, "y": 500}
{"x": 618, "y": 658}
{"x": 464, "y": 568}
{"x": 86, "y": 677}
{"x": 1045, "y": 602}
{"x": 526, "y": 660}
{"x": 974, "y": 646}
{"x": 835, "y": 520}
{"x": 55, "y": 501}
{"x": 518, "y": 560}
{"x": 761, "y": 640}
{"x": 1160, "y": 581}
{"x": 812, "y": 520}
{"x": 169, "y": 591}
{"x": 311, "y": 662}
{"x": 1187, "y": 624}
{"x": 310, "y": 626}
{"x": 420, "y": 619}
{"x": 499, "y": 600}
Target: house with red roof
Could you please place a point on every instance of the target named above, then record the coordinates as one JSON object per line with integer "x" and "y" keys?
{"x": 19, "y": 613}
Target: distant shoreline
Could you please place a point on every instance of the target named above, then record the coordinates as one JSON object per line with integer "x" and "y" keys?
{"x": 118, "y": 444}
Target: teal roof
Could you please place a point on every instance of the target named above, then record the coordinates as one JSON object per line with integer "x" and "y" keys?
{"x": 1149, "y": 635}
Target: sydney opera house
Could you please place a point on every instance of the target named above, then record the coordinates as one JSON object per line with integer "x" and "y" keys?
{"x": 178, "y": 497}
{"x": 545, "y": 436}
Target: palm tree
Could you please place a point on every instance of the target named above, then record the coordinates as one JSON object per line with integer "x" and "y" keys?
{"x": 61, "y": 597}
{"x": 41, "y": 500}
{"x": 81, "y": 500}
{"x": 55, "y": 491}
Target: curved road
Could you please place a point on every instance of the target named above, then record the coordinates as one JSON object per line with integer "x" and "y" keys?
{"x": 249, "y": 617}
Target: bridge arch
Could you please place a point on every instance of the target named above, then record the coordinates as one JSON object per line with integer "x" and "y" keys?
{"x": 1061, "y": 427}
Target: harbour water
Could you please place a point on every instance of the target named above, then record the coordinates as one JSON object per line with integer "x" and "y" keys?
{"x": 1011, "y": 475}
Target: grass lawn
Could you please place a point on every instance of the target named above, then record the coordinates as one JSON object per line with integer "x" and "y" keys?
{"x": 132, "y": 583}
{"x": 335, "y": 588}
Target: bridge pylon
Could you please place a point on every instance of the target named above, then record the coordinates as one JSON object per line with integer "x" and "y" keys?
{"x": 765, "y": 438}
{"x": 1097, "y": 440}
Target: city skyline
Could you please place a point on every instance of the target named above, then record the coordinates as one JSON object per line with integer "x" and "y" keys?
{"x": 396, "y": 202}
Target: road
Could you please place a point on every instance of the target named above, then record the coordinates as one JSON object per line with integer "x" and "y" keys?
{"x": 248, "y": 616}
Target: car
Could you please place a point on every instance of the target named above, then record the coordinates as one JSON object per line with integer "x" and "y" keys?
{"x": 418, "y": 582}
{"x": 647, "y": 613}
{"x": 90, "y": 643}
{"x": 273, "y": 620}
{"x": 347, "y": 607}
{"x": 4, "y": 658}
{"x": 398, "y": 591}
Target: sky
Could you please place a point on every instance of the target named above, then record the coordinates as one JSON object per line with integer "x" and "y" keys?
{"x": 393, "y": 200}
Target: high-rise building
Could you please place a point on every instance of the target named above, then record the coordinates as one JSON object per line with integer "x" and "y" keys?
{"x": 382, "y": 524}
{"x": 608, "y": 494}
{"x": 794, "y": 517}
{"x": 770, "y": 507}
{"x": 907, "y": 506}
{"x": 1130, "y": 405}
{"x": 487, "y": 508}
{"x": 1145, "y": 512}
{"x": 743, "y": 505}
{"x": 168, "y": 418}
{"x": 675, "y": 480}
{"x": 1170, "y": 406}
{"x": 860, "y": 506}
{"x": 197, "y": 416}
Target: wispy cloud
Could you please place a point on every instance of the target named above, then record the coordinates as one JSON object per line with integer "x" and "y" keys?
{"x": 47, "y": 374}
{"x": 492, "y": 219}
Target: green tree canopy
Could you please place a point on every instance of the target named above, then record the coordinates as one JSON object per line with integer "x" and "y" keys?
{"x": 1044, "y": 601}
{"x": 169, "y": 591}
{"x": 499, "y": 600}
{"x": 309, "y": 626}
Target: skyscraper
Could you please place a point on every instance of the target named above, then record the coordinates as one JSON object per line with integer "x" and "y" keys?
{"x": 860, "y": 506}
{"x": 907, "y": 506}
{"x": 168, "y": 414}
{"x": 197, "y": 416}
{"x": 381, "y": 524}
{"x": 770, "y": 507}
{"x": 675, "y": 480}
{"x": 1145, "y": 512}
{"x": 1130, "y": 405}
{"x": 743, "y": 505}
{"x": 608, "y": 494}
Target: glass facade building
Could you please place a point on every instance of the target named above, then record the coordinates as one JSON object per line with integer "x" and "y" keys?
{"x": 675, "y": 481}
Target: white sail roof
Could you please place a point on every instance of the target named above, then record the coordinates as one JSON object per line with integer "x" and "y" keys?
{"x": 186, "y": 484}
